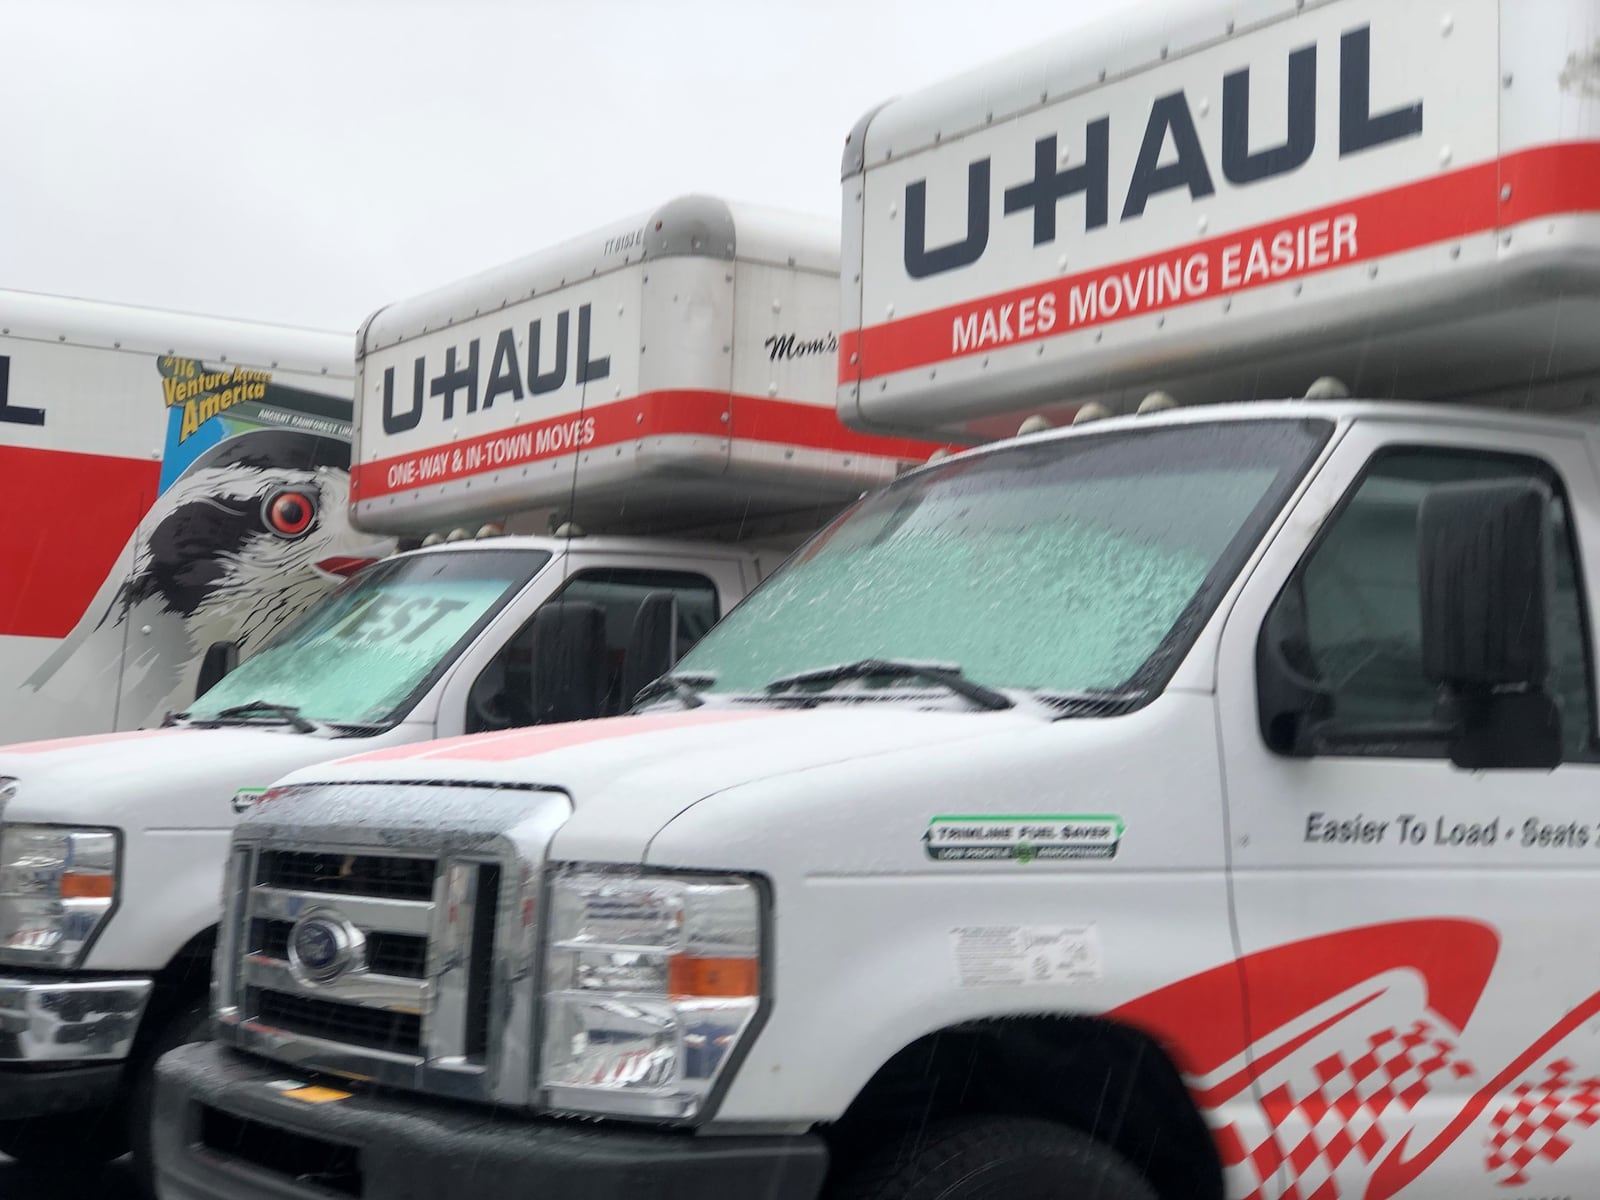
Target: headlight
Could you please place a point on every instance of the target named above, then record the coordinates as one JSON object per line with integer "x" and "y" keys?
{"x": 650, "y": 982}
{"x": 57, "y": 886}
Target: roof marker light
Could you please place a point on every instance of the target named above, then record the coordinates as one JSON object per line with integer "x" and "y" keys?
{"x": 1328, "y": 388}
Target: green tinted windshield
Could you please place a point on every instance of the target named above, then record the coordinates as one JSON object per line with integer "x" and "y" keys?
{"x": 1082, "y": 564}
{"x": 360, "y": 654}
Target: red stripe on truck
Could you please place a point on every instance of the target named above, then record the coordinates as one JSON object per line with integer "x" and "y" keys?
{"x": 1546, "y": 181}
{"x": 514, "y": 744}
{"x": 83, "y": 743}
{"x": 66, "y": 518}
{"x": 686, "y": 413}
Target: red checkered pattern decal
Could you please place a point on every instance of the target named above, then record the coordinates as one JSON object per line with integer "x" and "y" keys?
{"x": 1346, "y": 1108}
{"x": 1343, "y": 1075}
{"x": 1533, "y": 1124}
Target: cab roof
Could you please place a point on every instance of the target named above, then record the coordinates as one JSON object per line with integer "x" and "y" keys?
{"x": 698, "y": 226}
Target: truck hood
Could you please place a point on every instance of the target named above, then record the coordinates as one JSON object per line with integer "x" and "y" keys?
{"x": 153, "y": 778}
{"x": 629, "y": 776}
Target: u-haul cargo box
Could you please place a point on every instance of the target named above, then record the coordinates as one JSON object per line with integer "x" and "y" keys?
{"x": 671, "y": 370}
{"x": 1228, "y": 202}
{"x": 168, "y": 482}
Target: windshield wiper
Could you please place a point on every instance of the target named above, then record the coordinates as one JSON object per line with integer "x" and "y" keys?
{"x": 686, "y": 687}
{"x": 946, "y": 675}
{"x": 287, "y": 713}
{"x": 1090, "y": 703}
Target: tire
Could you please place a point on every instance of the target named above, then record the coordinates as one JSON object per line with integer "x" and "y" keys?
{"x": 995, "y": 1158}
{"x": 78, "y": 1141}
{"x": 190, "y": 1023}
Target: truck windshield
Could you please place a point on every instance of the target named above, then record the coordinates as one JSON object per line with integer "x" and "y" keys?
{"x": 363, "y": 654}
{"x": 1068, "y": 566}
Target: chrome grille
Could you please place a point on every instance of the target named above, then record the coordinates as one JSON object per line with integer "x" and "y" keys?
{"x": 414, "y": 992}
{"x": 351, "y": 1024}
{"x": 433, "y": 889}
{"x": 403, "y": 955}
{"x": 381, "y": 876}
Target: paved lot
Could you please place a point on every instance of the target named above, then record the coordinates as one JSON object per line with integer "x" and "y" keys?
{"x": 21, "y": 1183}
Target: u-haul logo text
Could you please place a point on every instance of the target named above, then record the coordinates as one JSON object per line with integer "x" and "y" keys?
{"x": 511, "y": 375}
{"x": 1170, "y": 159}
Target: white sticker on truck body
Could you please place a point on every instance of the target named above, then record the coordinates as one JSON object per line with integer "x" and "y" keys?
{"x": 1024, "y": 955}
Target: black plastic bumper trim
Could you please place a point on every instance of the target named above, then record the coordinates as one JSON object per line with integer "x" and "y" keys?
{"x": 388, "y": 1147}
{"x": 45, "y": 1092}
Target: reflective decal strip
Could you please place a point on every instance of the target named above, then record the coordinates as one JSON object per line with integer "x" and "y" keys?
{"x": 83, "y": 743}
{"x": 526, "y": 743}
{"x": 686, "y": 413}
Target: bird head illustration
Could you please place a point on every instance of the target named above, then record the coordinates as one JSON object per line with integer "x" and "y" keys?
{"x": 250, "y": 535}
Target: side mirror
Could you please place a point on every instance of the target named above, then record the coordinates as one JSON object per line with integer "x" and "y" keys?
{"x": 568, "y": 645}
{"x": 220, "y": 659}
{"x": 1486, "y": 570}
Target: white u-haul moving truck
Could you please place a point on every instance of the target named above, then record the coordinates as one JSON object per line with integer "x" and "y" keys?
{"x": 655, "y": 376}
{"x": 1246, "y": 842}
{"x": 172, "y": 489}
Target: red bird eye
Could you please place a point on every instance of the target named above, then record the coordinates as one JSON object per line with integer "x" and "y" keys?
{"x": 289, "y": 514}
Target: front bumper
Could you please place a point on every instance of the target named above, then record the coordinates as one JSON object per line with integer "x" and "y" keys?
{"x": 44, "y": 1092}
{"x": 69, "y": 1020}
{"x": 226, "y": 1127}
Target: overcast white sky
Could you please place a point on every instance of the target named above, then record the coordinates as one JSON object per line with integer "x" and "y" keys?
{"x": 309, "y": 160}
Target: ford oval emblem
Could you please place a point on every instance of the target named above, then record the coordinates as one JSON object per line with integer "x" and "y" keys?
{"x": 323, "y": 945}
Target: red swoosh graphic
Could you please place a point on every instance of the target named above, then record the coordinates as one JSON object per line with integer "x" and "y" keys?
{"x": 1202, "y": 1019}
{"x": 1394, "y": 1171}
{"x": 1205, "y": 1020}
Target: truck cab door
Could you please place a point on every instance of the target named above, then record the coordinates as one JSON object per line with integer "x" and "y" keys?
{"x": 1417, "y": 940}
{"x": 626, "y": 594}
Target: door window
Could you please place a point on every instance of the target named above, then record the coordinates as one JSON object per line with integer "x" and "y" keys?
{"x": 501, "y": 696}
{"x": 1358, "y": 596}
